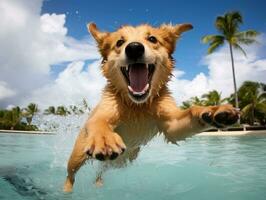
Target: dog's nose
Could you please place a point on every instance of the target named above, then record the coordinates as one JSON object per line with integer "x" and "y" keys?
{"x": 134, "y": 50}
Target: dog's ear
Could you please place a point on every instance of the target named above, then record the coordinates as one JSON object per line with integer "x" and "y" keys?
{"x": 176, "y": 30}
{"x": 100, "y": 38}
{"x": 180, "y": 28}
{"x": 171, "y": 33}
{"x": 98, "y": 35}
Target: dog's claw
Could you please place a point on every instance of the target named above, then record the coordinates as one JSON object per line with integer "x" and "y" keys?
{"x": 89, "y": 153}
{"x": 113, "y": 156}
{"x": 221, "y": 116}
{"x": 100, "y": 157}
{"x": 226, "y": 118}
{"x": 207, "y": 117}
{"x": 103, "y": 146}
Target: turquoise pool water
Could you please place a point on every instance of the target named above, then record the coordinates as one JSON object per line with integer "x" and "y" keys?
{"x": 202, "y": 167}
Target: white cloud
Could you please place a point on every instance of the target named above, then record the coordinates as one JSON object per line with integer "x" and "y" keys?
{"x": 219, "y": 76}
{"x": 5, "y": 91}
{"x": 53, "y": 24}
{"x": 31, "y": 44}
{"x": 71, "y": 86}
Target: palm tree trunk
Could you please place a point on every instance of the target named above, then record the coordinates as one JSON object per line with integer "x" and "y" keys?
{"x": 252, "y": 114}
{"x": 234, "y": 77}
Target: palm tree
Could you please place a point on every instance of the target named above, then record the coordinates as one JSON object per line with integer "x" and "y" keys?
{"x": 85, "y": 105}
{"x": 192, "y": 101}
{"x": 252, "y": 101}
{"x": 13, "y": 117}
{"x": 213, "y": 98}
{"x": 75, "y": 110}
{"x": 196, "y": 101}
{"x": 228, "y": 27}
{"x": 62, "y": 110}
{"x": 5, "y": 119}
{"x": 30, "y": 111}
{"x": 186, "y": 104}
{"x": 50, "y": 110}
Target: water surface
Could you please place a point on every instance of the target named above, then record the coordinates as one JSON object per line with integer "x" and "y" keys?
{"x": 202, "y": 167}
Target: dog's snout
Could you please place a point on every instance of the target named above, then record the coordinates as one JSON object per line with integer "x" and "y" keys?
{"x": 134, "y": 50}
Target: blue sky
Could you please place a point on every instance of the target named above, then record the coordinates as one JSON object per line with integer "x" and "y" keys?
{"x": 111, "y": 14}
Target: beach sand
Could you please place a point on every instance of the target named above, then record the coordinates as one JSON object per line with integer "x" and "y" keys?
{"x": 28, "y": 132}
{"x": 233, "y": 133}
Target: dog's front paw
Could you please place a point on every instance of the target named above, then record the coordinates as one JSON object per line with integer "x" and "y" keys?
{"x": 220, "y": 116}
{"x": 104, "y": 146}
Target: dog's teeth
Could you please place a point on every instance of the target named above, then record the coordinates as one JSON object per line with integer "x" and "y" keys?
{"x": 146, "y": 87}
{"x": 130, "y": 88}
{"x": 147, "y": 66}
{"x": 127, "y": 67}
{"x": 139, "y": 93}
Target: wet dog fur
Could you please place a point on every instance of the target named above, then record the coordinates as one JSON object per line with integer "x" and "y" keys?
{"x": 136, "y": 104}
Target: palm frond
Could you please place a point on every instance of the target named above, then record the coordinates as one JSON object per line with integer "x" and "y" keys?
{"x": 234, "y": 19}
{"x": 211, "y": 38}
{"x": 262, "y": 97}
{"x": 238, "y": 47}
{"x": 247, "y": 34}
{"x": 246, "y": 110}
{"x": 247, "y": 41}
{"x": 221, "y": 24}
{"x": 246, "y": 37}
{"x": 261, "y": 107}
{"x": 214, "y": 45}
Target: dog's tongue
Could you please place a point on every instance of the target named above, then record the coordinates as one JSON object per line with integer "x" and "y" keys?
{"x": 138, "y": 76}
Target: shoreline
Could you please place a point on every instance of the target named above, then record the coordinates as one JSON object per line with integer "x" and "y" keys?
{"x": 215, "y": 133}
{"x": 233, "y": 133}
{"x": 27, "y": 132}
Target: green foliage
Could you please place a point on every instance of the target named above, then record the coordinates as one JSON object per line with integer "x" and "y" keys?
{"x": 228, "y": 27}
{"x": 15, "y": 118}
{"x": 62, "y": 110}
{"x": 252, "y": 102}
{"x": 213, "y": 98}
{"x": 30, "y": 111}
{"x": 50, "y": 110}
{"x": 12, "y": 120}
{"x": 193, "y": 101}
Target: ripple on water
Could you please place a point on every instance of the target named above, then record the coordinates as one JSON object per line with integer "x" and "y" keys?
{"x": 34, "y": 167}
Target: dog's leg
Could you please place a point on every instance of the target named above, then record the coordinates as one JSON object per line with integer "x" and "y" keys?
{"x": 178, "y": 124}
{"x": 76, "y": 160}
{"x": 97, "y": 140}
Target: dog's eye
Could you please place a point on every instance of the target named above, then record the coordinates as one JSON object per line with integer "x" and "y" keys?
{"x": 120, "y": 42}
{"x": 152, "y": 39}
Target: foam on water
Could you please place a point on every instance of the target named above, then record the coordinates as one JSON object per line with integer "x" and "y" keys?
{"x": 66, "y": 129}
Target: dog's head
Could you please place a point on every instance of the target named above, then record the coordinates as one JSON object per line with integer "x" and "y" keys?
{"x": 137, "y": 61}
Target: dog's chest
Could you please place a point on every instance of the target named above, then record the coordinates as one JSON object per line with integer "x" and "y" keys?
{"x": 138, "y": 131}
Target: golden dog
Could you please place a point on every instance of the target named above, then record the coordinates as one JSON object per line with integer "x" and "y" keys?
{"x": 136, "y": 103}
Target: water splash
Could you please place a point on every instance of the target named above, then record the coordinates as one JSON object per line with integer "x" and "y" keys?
{"x": 66, "y": 129}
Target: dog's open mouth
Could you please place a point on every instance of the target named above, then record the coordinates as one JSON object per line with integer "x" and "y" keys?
{"x": 138, "y": 77}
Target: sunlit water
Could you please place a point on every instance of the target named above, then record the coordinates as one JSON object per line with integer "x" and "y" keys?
{"x": 202, "y": 167}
